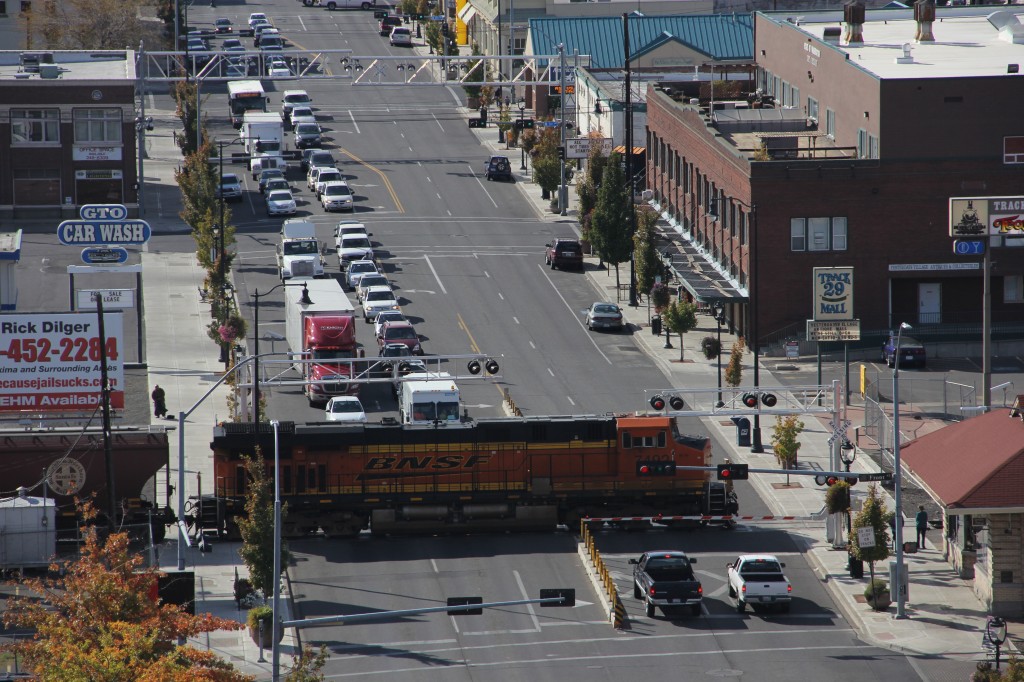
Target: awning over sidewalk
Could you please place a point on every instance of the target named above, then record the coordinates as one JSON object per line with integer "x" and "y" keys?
{"x": 467, "y": 13}
{"x": 696, "y": 272}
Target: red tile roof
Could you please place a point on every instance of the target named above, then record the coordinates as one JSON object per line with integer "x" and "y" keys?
{"x": 978, "y": 463}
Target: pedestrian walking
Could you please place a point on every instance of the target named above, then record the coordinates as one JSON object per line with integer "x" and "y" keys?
{"x": 922, "y": 525}
{"x": 159, "y": 402}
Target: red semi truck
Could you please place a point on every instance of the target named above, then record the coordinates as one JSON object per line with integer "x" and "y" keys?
{"x": 323, "y": 330}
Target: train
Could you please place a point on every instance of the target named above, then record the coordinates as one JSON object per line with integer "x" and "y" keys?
{"x": 501, "y": 474}
{"x": 64, "y": 464}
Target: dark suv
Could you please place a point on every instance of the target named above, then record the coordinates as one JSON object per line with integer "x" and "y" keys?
{"x": 499, "y": 168}
{"x": 564, "y": 253}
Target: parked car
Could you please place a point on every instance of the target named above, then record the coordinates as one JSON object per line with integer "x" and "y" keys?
{"x": 308, "y": 135}
{"x": 389, "y": 23}
{"x": 301, "y": 114}
{"x": 377, "y": 299}
{"x": 368, "y": 281}
{"x": 912, "y": 351}
{"x": 314, "y": 173}
{"x": 664, "y": 579}
{"x": 293, "y": 98}
{"x": 357, "y": 269}
{"x": 321, "y": 158}
{"x": 232, "y": 45}
{"x": 223, "y": 25}
{"x": 604, "y": 316}
{"x": 263, "y": 33}
{"x": 385, "y": 317}
{"x": 564, "y": 253}
{"x": 402, "y": 36}
{"x": 498, "y": 168}
{"x": 337, "y": 196}
{"x": 271, "y": 44}
{"x": 280, "y": 202}
{"x": 230, "y": 187}
{"x": 354, "y": 247}
{"x": 399, "y": 332}
{"x": 345, "y": 408}
{"x": 304, "y": 158}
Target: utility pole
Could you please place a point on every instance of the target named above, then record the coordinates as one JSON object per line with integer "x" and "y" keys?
{"x": 630, "y": 183}
{"x": 562, "y": 191}
{"x": 108, "y": 455}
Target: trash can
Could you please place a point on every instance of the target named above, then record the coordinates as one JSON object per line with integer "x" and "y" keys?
{"x": 483, "y": 117}
{"x": 856, "y": 567}
{"x": 742, "y": 431}
{"x": 656, "y": 325}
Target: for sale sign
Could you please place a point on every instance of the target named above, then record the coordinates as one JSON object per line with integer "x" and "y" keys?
{"x": 52, "y": 362}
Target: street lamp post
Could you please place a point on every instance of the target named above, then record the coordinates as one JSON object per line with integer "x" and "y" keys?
{"x": 305, "y": 300}
{"x": 901, "y": 596}
{"x": 275, "y": 656}
{"x": 996, "y": 630}
{"x": 522, "y": 151}
{"x": 719, "y": 319}
{"x": 630, "y": 171}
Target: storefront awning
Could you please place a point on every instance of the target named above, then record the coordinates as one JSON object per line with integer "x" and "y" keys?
{"x": 697, "y": 274}
{"x": 467, "y": 13}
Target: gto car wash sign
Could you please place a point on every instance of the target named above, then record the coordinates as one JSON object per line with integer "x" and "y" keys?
{"x": 103, "y": 225}
{"x": 51, "y": 362}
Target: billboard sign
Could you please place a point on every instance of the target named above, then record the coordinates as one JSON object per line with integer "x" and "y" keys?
{"x": 833, "y": 294}
{"x": 103, "y": 224}
{"x": 51, "y": 362}
{"x": 992, "y": 216}
{"x": 579, "y": 147}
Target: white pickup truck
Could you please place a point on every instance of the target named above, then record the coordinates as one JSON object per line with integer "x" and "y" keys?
{"x": 758, "y": 579}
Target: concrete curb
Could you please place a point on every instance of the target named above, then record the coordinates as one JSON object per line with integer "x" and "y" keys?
{"x": 595, "y": 580}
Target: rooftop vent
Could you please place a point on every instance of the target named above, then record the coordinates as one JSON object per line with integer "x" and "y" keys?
{"x": 30, "y": 61}
{"x": 907, "y": 57}
{"x": 832, "y": 34}
{"x": 49, "y": 71}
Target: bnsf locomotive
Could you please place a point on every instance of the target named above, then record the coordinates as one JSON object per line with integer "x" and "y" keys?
{"x": 496, "y": 474}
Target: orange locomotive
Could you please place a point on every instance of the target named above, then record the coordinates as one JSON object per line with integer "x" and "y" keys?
{"x": 494, "y": 474}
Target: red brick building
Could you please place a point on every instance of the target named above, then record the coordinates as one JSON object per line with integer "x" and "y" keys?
{"x": 848, "y": 157}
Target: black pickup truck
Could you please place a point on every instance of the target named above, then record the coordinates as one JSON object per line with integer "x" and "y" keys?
{"x": 664, "y": 579}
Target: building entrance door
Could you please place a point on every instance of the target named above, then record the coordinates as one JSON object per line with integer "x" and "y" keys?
{"x": 929, "y": 303}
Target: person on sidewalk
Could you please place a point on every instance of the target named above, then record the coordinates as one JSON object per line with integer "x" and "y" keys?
{"x": 922, "y": 525}
{"x": 159, "y": 402}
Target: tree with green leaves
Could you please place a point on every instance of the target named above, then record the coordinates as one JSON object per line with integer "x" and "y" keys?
{"x": 257, "y": 526}
{"x": 477, "y": 73}
{"x": 611, "y": 220}
{"x": 597, "y": 161}
{"x": 680, "y": 317}
{"x": 786, "y": 441}
{"x": 872, "y": 515}
{"x": 734, "y": 370}
{"x": 96, "y": 618}
{"x": 433, "y": 37}
{"x": 661, "y": 297}
{"x": 645, "y": 254}
{"x": 186, "y": 94}
{"x": 547, "y": 170}
{"x": 409, "y": 7}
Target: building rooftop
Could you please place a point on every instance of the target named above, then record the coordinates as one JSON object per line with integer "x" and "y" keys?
{"x": 969, "y": 41}
{"x": 57, "y": 65}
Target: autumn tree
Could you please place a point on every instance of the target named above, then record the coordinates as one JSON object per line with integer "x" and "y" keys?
{"x": 734, "y": 370}
{"x": 785, "y": 440}
{"x": 95, "y": 24}
{"x": 257, "y": 526}
{"x": 97, "y": 620}
{"x": 680, "y": 317}
{"x": 308, "y": 666}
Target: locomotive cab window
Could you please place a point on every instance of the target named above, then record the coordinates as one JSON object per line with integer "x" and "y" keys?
{"x": 653, "y": 441}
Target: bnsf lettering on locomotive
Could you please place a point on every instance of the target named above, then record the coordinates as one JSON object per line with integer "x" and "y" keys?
{"x": 428, "y": 462}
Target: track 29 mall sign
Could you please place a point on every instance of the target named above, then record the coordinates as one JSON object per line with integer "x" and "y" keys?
{"x": 832, "y": 317}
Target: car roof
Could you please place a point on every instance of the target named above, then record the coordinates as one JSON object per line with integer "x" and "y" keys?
{"x": 276, "y": 195}
{"x": 362, "y": 261}
{"x": 292, "y": 93}
{"x": 228, "y": 176}
{"x": 336, "y": 183}
{"x": 396, "y": 324}
{"x": 379, "y": 288}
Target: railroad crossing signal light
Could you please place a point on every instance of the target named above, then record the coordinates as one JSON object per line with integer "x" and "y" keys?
{"x": 567, "y": 594}
{"x": 463, "y": 601}
{"x": 733, "y": 472}
{"x": 676, "y": 403}
{"x": 767, "y": 399}
{"x": 655, "y": 467}
{"x": 658, "y": 402}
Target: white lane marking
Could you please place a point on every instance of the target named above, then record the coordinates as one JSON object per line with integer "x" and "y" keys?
{"x": 571, "y": 402}
{"x": 434, "y": 116}
{"x": 487, "y": 274}
{"x": 550, "y": 372}
{"x": 438, "y": 278}
{"x": 515, "y": 319}
{"x": 533, "y": 345}
{"x": 449, "y": 212}
{"x": 433, "y": 564}
{"x": 351, "y": 116}
{"x": 421, "y": 642}
{"x": 429, "y": 179}
{"x": 438, "y": 194}
{"x": 303, "y": 28}
{"x": 578, "y": 320}
{"x": 500, "y": 296}
{"x": 477, "y": 178}
{"x": 529, "y": 607}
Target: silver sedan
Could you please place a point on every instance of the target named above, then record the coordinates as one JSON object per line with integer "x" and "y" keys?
{"x": 604, "y": 316}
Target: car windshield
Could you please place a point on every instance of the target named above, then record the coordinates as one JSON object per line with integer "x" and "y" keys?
{"x": 606, "y": 308}
{"x": 322, "y": 159}
{"x": 367, "y": 281}
{"x": 307, "y": 128}
{"x": 355, "y": 243}
{"x": 297, "y": 99}
{"x": 229, "y": 180}
{"x": 300, "y": 248}
{"x": 346, "y": 406}
{"x": 337, "y": 190}
{"x": 906, "y": 341}
{"x": 299, "y": 112}
{"x": 379, "y": 296}
{"x": 271, "y": 174}
{"x": 280, "y": 196}
{"x": 400, "y": 333}
{"x": 328, "y": 176}
{"x": 362, "y": 267}
{"x": 278, "y": 184}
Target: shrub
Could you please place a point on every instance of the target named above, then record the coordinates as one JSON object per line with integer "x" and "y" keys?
{"x": 837, "y": 497}
{"x": 260, "y": 613}
{"x": 876, "y": 587}
{"x": 711, "y": 347}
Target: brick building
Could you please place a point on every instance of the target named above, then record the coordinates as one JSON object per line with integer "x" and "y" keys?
{"x": 67, "y": 132}
{"x": 862, "y": 131}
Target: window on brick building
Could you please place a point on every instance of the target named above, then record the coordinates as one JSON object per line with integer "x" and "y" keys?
{"x": 818, "y": 234}
{"x": 812, "y": 108}
{"x": 830, "y": 123}
{"x": 97, "y": 125}
{"x": 872, "y": 147}
{"x": 35, "y": 125}
{"x": 1013, "y": 150}
{"x": 797, "y": 234}
{"x": 862, "y": 143}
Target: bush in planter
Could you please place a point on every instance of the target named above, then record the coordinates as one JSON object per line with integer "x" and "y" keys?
{"x": 837, "y": 498}
{"x": 261, "y": 614}
{"x": 877, "y": 594}
{"x": 710, "y": 347}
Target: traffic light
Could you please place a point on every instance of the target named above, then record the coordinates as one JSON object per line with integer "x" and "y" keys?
{"x": 561, "y": 153}
{"x": 733, "y": 472}
{"x": 832, "y": 480}
{"x": 444, "y": 28}
{"x": 767, "y": 399}
{"x": 527, "y": 124}
{"x": 655, "y": 467}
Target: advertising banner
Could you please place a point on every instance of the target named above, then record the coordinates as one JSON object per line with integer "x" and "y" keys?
{"x": 51, "y": 362}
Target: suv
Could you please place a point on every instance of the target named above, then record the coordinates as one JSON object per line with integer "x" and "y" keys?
{"x": 230, "y": 187}
{"x": 388, "y": 23}
{"x": 400, "y": 332}
{"x": 294, "y": 98}
{"x": 564, "y": 253}
{"x": 499, "y": 168}
{"x": 377, "y": 299}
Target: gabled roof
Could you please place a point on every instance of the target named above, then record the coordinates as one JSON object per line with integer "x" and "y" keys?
{"x": 976, "y": 464}
{"x": 723, "y": 37}
{"x": 663, "y": 39}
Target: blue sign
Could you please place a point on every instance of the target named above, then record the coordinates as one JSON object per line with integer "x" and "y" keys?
{"x": 103, "y": 212}
{"x": 550, "y": 124}
{"x": 102, "y": 232}
{"x": 968, "y": 247}
{"x": 95, "y": 256}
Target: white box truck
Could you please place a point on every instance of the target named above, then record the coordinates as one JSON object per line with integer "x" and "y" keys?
{"x": 262, "y": 135}
{"x": 429, "y": 397}
{"x": 300, "y": 253}
{"x": 323, "y": 330}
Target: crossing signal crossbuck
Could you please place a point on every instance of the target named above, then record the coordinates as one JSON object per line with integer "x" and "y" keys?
{"x": 733, "y": 472}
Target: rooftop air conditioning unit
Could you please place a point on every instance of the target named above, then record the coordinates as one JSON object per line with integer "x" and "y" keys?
{"x": 49, "y": 71}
